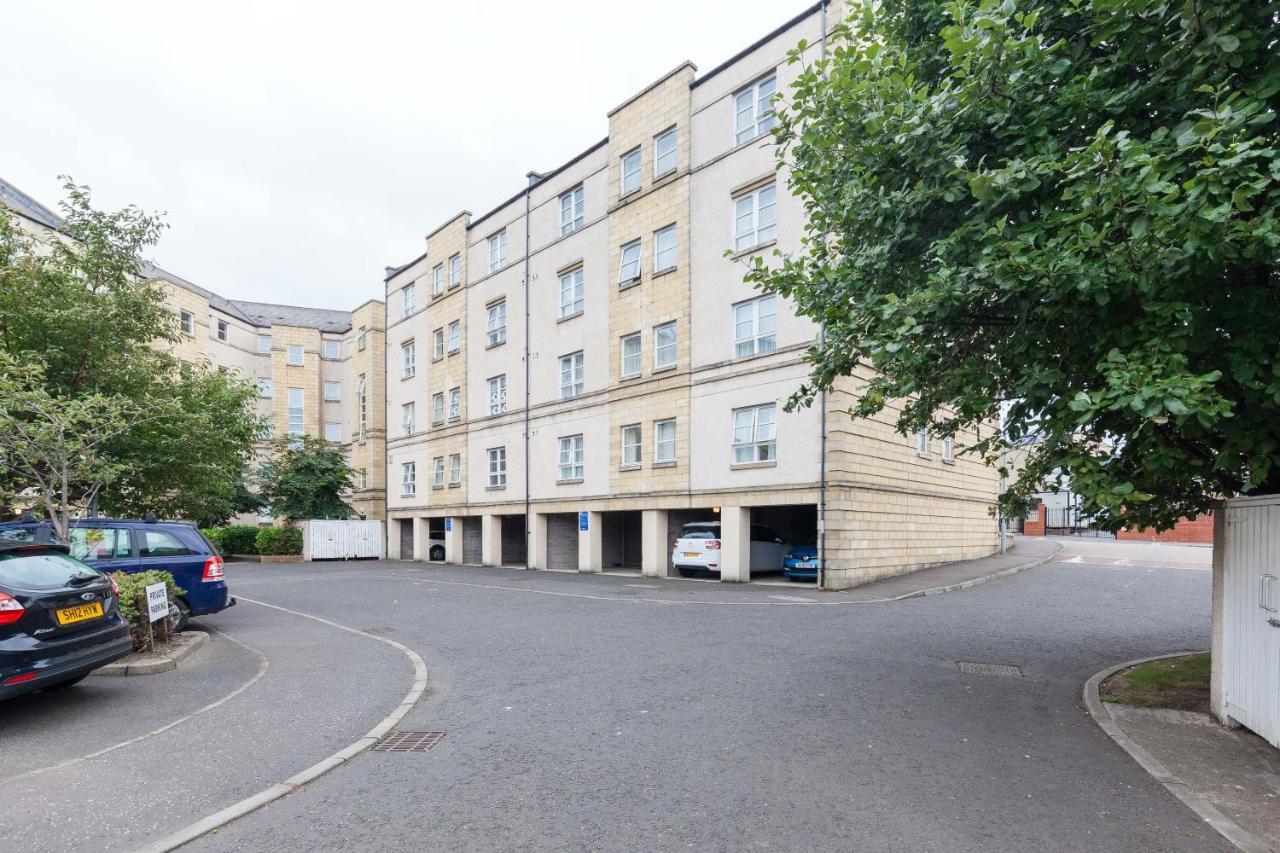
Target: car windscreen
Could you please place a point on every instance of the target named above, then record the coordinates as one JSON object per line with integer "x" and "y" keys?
{"x": 701, "y": 532}
{"x": 41, "y": 570}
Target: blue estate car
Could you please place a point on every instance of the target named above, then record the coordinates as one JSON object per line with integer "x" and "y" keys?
{"x": 800, "y": 563}
{"x": 131, "y": 545}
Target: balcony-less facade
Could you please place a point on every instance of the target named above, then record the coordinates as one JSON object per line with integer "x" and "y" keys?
{"x": 597, "y": 373}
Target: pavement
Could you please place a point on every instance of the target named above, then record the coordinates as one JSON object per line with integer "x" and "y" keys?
{"x": 619, "y": 713}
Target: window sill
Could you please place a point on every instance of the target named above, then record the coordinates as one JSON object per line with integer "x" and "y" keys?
{"x": 455, "y": 418}
{"x": 670, "y": 463}
{"x": 495, "y": 488}
{"x": 630, "y": 283}
{"x": 455, "y": 284}
{"x": 405, "y": 376}
{"x": 948, "y": 461}
{"x": 634, "y": 466}
{"x": 924, "y": 455}
{"x": 658, "y": 179}
{"x": 408, "y": 494}
{"x": 495, "y": 344}
{"x": 437, "y": 488}
{"x": 569, "y": 482}
{"x": 665, "y": 368}
{"x": 455, "y": 485}
{"x": 569, "y": 316}
{"x": 454, "y": 352}
{"x": 751, "y": 250}
{"x": 626, "y": 194}
{"x": 436, "y": 358}
{"x": 664, "y": 271}
{"x": 740, "y": 466}
{"x": 629, "y": 376}
{"x": 437, "y": 423}
{"x": 566, "y": 398}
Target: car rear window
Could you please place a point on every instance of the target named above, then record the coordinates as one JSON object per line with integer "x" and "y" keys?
{"x": 18, "y": 534}
{"x": 701, "y": 532}
{"x": 47, "y": 570}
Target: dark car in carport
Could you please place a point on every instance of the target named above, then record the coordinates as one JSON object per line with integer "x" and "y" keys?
{"x": 59, "y": 618}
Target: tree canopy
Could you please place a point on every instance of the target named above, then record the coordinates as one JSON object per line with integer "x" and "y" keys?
{"x": 305, "y": 477}
{"x": 1063, "y": 211}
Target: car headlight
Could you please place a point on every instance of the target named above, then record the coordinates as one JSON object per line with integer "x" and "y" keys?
{"x": 788, "y": 556}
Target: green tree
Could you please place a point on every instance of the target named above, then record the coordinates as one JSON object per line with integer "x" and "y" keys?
{"x": 305, "y": 478}
{"x": 1066, "y": 209}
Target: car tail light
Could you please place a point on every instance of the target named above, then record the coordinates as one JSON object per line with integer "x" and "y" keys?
{"x": 713, "y": 544}
{"x": 213, "y": 569}
{"x": 19, "y": 679}
{"x": 10, "y": 610}
{"x": 675, "y": 543}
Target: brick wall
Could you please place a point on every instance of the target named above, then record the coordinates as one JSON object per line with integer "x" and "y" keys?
{"x": 1194, "y": 530}
{"x": 1035, "y": 526}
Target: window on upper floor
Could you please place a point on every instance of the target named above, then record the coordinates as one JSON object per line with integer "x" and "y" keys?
{"x": 754, "y": 438}
{"x": 948, "y": 449}
{"x": 362, "y": 479}
{"x": 455, "y": 403}
{"x": 361, "y": 339}
{"x": 362, "y": 406}
{"x": 664, "y": 249}
{"x": 437, "y": 344}
{"x": 497, "y": 467}
{"x": 409, "y": 296}
{"x": 755, "y": 326}
{"x": 296, "y": 414}
{"x": 572, "y": 293}
{"x": 409, "y": 418}
{"x": 753, "y": 109}
{"x": 498, "y": 394}
{"x": 664, "y": 153}
{"x": 437, "y": 280}
{"x": 188, "y": 321}
{"x": 631, "y": 352}
{"x": 332, "y": 391}
{"x": 264, "y": 387}
{"x": 332, "y": 431}
{"x": 571, "y": 465}
{"x": 408, "y": 479}
{"x": 629, "y": 263}
{"x": 571, "y": 375}
{"x": 437, "y": 408}
{"x": 631, "y": 168}
{"x": 922, "y": 442}
{"x": 224, "y": 330}
{"x": 631, "y": 440}
{"x": 664, "y": 345}
{"x": 455, "y": 336}
{"x": 497, "y": 250}
{"x": 437, "y": 472}
{"x": 664, "y": 440}
{"x": 455, "y": 269}
{"x": 264, "y": 343}
{"x": 294, "y": 355}
{"x": 455, "y": 469}
{"x": 754, "y": 223}
{"x": 495, "y": 326}
{"x": 571, "y": 211}
{"x": 333, "y": 350}
{"x": 408, "y": 360}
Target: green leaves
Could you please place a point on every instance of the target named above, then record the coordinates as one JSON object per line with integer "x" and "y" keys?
{"x": 305, "y": 478}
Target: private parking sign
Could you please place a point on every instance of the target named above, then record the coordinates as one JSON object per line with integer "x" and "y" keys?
{"x": 582, "y": 520}
{"x": 448, "y": 524}
{"x": 157, "y": 601}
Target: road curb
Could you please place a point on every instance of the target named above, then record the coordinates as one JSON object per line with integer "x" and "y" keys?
{"x": 274, "y": 792}
{"x": 978, "y": 581}
{"x": 1241, "y": 838}
{"x": 168, "y": 661}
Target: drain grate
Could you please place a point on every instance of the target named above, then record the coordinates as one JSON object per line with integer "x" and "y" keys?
{"x": 1002, "y": 669}
{"x": 408, "y": 742}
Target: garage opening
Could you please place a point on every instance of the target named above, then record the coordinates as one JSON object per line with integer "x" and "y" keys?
{"x": 562, "y": 541}
{"x": 435, "y": 540}
{"x": 515, "y": 547}
{"x": 406, "y": 538}
{"x": 676, "y": 520}
{"x": 471, "y": 539}
{"x": 620, "y": 546}
{"x": 795, "y": 558}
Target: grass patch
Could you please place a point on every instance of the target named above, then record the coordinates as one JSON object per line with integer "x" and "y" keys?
{"x": 1180, "y": 683}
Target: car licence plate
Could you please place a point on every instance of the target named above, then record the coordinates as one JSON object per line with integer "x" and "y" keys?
{"x": 692, "y": 554}
{"x": 806, "y": 564}
{"x": 79, "y": 613}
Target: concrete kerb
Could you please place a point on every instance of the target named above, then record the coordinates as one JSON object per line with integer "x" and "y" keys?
{"x": 167, "y": 662}
{"x": 274, "y": 792}
{"x": 1209, "y": 813}
{"x": 972, "y": 582}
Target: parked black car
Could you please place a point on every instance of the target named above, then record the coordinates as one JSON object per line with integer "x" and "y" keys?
{"x": 59, "y": 618}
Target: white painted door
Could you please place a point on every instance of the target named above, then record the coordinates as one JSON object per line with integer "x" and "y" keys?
{"x": 1251, "y": 614}
{"x": 344, "y": 540}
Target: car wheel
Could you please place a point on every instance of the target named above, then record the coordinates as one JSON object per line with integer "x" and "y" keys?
{"x": 180, "y": 614}
{"x": 687, "y": 572}
{"x": 63, "y": 685}
{"x": 436, "y": 553}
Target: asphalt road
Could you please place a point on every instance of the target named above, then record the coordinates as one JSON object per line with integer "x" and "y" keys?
{"x": 611, "y": 713}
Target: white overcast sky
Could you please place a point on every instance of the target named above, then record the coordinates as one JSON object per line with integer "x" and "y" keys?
{"x": 298, "y": 148}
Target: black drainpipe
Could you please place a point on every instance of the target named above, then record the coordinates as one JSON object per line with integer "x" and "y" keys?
{"x": 533, "y": 178}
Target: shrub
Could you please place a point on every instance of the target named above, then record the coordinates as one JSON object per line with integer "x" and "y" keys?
{"x": 240, "y": 539}
{"x": 279, "y": 541}
{"x": 132, "y": 588}
{"x": 214, "y": 535}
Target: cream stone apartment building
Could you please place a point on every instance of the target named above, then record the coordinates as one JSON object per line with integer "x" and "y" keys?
{"x": 319, "y": 372}
{"x": 577, "y": 373}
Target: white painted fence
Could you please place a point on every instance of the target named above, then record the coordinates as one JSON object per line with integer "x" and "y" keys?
{"x": 327, "y": 539}
{"x": 1247, "y": 604}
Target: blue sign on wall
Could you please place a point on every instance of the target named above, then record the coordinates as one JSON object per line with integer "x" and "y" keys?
{"x": 582, "y": 520}
{"x": 448, "y": 524}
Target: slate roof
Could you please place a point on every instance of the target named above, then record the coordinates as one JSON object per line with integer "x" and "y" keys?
{"x": 268, "y": 314}
{"x": 15, "y": 199}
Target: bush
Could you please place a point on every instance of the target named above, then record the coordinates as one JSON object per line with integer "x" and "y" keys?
{"x": 279, "y": 541}
{"x": 235, "y": 539}
{"x": 133, "y": 587}
{"x": 214, "y": 535}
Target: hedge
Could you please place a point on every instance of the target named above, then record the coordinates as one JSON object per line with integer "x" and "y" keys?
{"x": 133, "y": 585}
{"x": 239, "y": 539}
{"x": 279, "y": 541}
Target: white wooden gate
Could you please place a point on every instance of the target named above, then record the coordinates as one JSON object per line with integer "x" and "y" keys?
{"x": 328, "y": 539}
{"x": 1251, "y": 614}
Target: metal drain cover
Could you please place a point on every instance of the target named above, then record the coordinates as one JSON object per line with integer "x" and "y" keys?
{"x": 407, "y": 742}
{"x": 1002, "y": 669}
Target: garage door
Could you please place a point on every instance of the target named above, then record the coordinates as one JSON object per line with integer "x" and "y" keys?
{"x": 471, "y": 540}
{"x": 562, "y": 541}
{"x": 406, "y": 538}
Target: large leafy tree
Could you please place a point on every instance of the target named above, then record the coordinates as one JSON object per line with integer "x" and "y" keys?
{"x": 79, "y": 310}
{"x": 305, "y": 477}
{"x": 1062, "y": 209}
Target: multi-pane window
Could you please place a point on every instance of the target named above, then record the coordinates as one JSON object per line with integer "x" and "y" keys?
{"x": 455, "y": 270}
{"x": 631, "y": 348}
{"x": 571, "y": 211}
{"x": 755, "y": 326}
{"x": 362, "y": 479}
{"x": 497, "y": 394}
{"x": 361, "y": 337}
{"x": 664, "y": 345}
{"x": 264, "y": 387}
{"x": 410, "y": 296}
{"x": 437, "y": 280}
{"x": 188, "y": 322}
{"x": 631, "y": 438}
{"x": 664, "y": 249}
{"x": 922, "y": 442}
{"x": 333, "y": 350}
{"x": 332, "y": 392}
{"x": 409, "y": 418}
{"x": 664, "y": 153}
{"x": 497, "y": 250}
{"x": 362, "y": 405}
{"x": 408, "y": 479}
{"x": 455, "y": 469}
{"x": 571, "y": 467}
{"x": 496, "y": 323}
{"x": 294, "y": 355}
{"x": 332, "y": 431}
{"x": 437, "y": 408}
{"x": 408, "y": 359}
{"x": 437, "y": 344}
{"x": 754, "y": 439}
{"x": 571, "y": 375}
{"x": 437, "y": 472}
{"x": 948, "y": 449}
{"x": 572, "y": 293}
{"x": 297, "y": 405}
{"x": 753, "y": 109}
{"x": 631, "y": 166}
{"x": 455, "y": 336}
{"x": 224, "y": 330}
{"x": 455, "y": 403}
{"x": 664, "y": 441}
{"x": 754, "y": 222}
{"x": 629, "y": 263}
{"x": 264, "y": 343}
{"x": 497, "y": 467}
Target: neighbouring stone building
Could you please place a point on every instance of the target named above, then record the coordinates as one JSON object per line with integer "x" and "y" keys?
{"x": 575, "y": 374}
